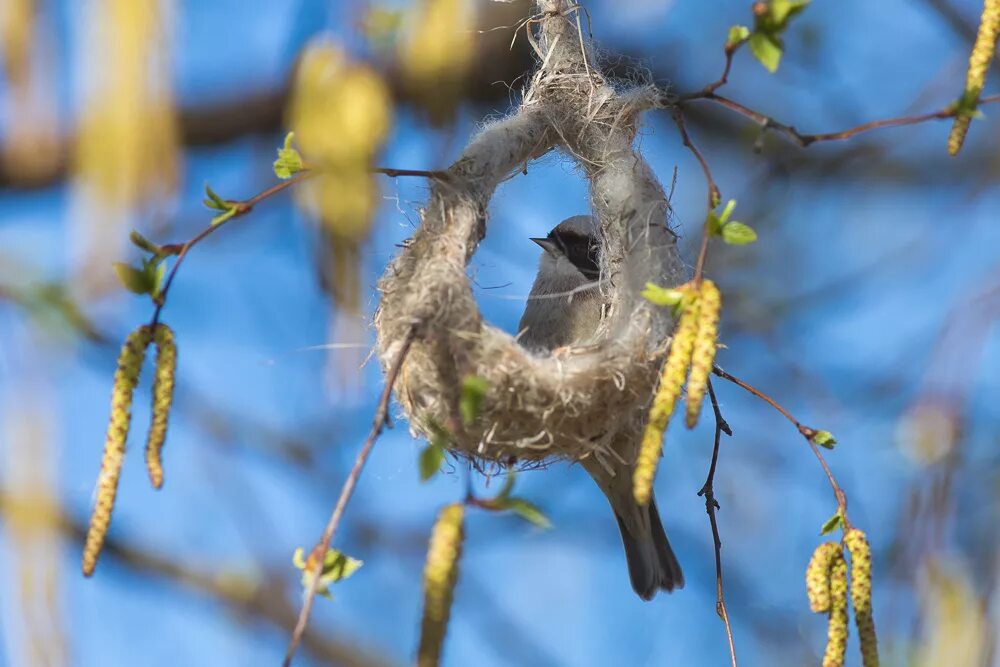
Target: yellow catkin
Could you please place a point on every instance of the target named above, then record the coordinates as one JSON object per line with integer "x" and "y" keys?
{"x": 17, "y": 24}
{"x": 126, "y": 378}
{"x": 703, "y": 356}
{"x": 836, "y": 632}
{"x": 436, "y": 55}
{"x": 671, "y": 380}
{"x": 440, "y": 576}
{"x": 979, "y": 64}
{"x": 861, "y": 594}
{"x": 163, "y": 398}
{"x": 341, "y": 112}
{"x": 818, "y": 576}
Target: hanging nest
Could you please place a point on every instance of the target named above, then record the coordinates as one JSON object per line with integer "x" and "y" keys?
{"x": 583, "y": 402}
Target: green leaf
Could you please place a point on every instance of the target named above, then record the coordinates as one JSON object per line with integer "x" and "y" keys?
{"x": 737, "y": 35}
{"x": 431, "y": 459}
{"x": 528, "y": 511}
{"x": 736, "y": 233}
{"x": 155, "y": 269}
{"x": 833, "y": 523}
{"x": 217, "y": 203}
{"x": 143, "y": 243}
{"x": 336, "y": 567}
{"x": 470, "y": 401}
{"x": 662, "y": 296}
{"x": 134, "y": 280}
{"x": 214, "y": 200}
{"x": 824, "y": 439}
{"x": 713, "y": 224}
{"x": 508, "y": 486}
{"x": 726, "y": 212}
{"x": 783, "y": 10}
{"x": 767, "y": 49}
{"x": 289, "y": 161}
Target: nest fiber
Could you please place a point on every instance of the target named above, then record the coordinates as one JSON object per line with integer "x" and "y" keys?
{"x": 582, "y": 402}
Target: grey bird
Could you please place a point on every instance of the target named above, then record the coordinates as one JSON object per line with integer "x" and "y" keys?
{"x": 564, "y": 308}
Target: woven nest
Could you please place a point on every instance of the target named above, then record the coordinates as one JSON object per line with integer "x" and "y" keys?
{"x": 581, "y": 402}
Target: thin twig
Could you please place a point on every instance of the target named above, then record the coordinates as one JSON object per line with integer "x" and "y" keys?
{"x": 716, "y": 370}
{"x": 389, "y": 171}
{"x": 807, "y": 432}
{"x": 711, "y": 505}
{"x": 730, "y": 50}
{"x": 380, "y": 420}
{"x": 247, "y": 205}
{"x": 804, "y": 140}
{"x": 242, "y": 208}
{"x": 713, "y": 190}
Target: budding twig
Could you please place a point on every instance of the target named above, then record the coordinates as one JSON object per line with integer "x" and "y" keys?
{"x": 379, "y": 422}
{"x": 807, "y": 432}
{"x": 246, "y": 206}
{"x": 182, "y": 249}
{"x": 805, "y": 140}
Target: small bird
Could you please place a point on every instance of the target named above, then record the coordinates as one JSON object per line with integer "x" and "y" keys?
{"x": 564, "y": 308}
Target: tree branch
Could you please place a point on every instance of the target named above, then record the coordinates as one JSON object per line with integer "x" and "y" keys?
{"x": 711, "y": 505}
{"x": 380, "y": 421}
{"x": 807, "y": 432}
{"x": 259, "y": 599}
{"x": 805, "y": 140}
{"x": 713, "y": 190}
{"x": 242, "y": 208}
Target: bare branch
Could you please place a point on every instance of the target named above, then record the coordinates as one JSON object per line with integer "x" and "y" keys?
{"x": 805, "y": 140}
{"x": 711, "y": 505}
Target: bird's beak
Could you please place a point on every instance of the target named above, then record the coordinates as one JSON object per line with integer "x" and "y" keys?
{"x": 548, "y": 245}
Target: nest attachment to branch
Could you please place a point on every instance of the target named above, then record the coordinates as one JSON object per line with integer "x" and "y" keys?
{"x": 579, "y": 403}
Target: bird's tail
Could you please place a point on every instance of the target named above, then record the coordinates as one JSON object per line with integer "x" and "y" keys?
{"x": 652, "y": 564}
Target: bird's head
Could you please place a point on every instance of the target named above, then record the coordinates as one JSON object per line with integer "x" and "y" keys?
{"x": 572, "y": 247}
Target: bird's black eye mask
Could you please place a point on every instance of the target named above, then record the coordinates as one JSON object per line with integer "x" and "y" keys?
{"x": 581, "y": 250}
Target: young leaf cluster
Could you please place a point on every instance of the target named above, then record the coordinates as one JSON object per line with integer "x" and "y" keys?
{"x": 228, "y": 208}
{"x": 289, "y": 161}
{"x": 147, "y": 277}
{"x": 765, "y": 40}
{"x": 731, "y": 231}
{"x": 336, "y": 567}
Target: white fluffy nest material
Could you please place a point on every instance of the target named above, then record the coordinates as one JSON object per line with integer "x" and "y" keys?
{"x": 571, "y": 405}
